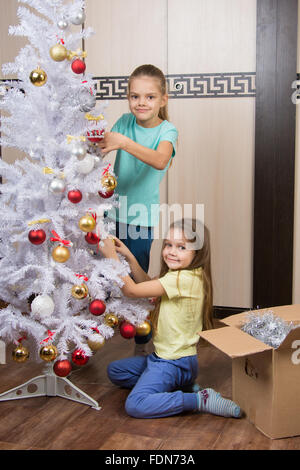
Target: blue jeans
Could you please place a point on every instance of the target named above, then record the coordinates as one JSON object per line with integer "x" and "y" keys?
{"x": 155, "y": 382}
{"x": 140, "y": 247}
{"x": 138, "y": 240}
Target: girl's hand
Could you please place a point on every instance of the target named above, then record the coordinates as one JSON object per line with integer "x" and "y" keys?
{"x": 122, "y": 248}
{"x": 108, "y": 249}
{"x": 111, "y": 141}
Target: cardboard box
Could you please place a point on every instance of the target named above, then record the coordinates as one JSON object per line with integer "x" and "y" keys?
{"x": 265, "y": 381}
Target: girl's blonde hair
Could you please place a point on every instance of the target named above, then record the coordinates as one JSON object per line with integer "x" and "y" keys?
{"x": 154, "y": 72}
{"x": 198, "y": 235}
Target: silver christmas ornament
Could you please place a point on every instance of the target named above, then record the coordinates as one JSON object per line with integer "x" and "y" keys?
{"x": 57, "y": 186}
{"x": 78, "y": 150}
{"x": 87, "y": 101}
{"x": 78, "y": 18}
{"x": 62, "y": 24}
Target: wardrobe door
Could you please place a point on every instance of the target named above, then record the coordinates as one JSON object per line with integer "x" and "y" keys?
{"x": 212, "y": 55}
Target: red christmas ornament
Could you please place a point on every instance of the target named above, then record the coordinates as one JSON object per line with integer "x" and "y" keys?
{"x": 79, "y": 357}
{"x": 78, "y": 66}
{"x": 97, "y": 307}
{"x": 62, "y": 368}
{"x": 37, "y": 237}
{"x": 95, "y": 135}
{"x": 75, "y": 196}
{"x": 127, "y": 330}
{"x": 106, "y": 195}
{"x": 92, "y": 238}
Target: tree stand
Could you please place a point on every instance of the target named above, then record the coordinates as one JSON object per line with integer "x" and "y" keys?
{"x": 49, "y": 385}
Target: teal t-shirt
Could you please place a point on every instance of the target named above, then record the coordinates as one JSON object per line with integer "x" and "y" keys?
{"x": 138, "y": 183}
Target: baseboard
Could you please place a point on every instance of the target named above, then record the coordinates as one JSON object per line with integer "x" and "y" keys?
{"x": 223, "y": 312}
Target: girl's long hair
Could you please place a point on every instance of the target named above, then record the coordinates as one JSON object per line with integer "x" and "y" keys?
{"x": 196, "y": 233}
{"x": 154, "y": 72}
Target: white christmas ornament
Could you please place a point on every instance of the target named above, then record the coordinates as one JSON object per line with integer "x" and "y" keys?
{"x": 62, "y": 24}
{"x": 86, "y": 165}
{"x": 79, "y": 18}
{"x": 57, "y": 186}
{"x": 42, "y": 305}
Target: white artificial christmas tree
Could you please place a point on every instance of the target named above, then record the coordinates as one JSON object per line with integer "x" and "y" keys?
{"x": 63, "y": 298}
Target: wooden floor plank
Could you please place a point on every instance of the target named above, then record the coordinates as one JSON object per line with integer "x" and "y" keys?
{"x": 4, "y": 445}
{"x": 57, "y": 423}
{"x": 124, "y": 441}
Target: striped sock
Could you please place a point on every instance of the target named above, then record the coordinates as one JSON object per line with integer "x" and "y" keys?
{"x": 210, "y": 401}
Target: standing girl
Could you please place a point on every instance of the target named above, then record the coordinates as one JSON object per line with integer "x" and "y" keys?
{"x": 145, "y": 142}
{"x": 184, "y": 309}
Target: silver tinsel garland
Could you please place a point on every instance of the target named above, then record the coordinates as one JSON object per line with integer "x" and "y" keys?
{"x": 267, "y": 327}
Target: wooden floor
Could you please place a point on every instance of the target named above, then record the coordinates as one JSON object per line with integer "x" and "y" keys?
{"x": 58, "y": 423}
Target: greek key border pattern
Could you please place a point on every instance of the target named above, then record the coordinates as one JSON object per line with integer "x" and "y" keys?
{"x": 206, "y": 85}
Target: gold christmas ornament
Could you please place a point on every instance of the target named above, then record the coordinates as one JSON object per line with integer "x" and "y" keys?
{"x": 80, "y": 291}
{"x": 87, "y": 223}
{"x": 111, "y": 320}
{"x": 109, "y": 182}
{"x": 60, "y": 254}
{"x": 48, "y": 352}
{"x": 96, "y": 342}
{"x": 58, "y": 52}
{"x": 38, "y": 77}
{"x": 20, "y": 354}
{"x": 143, "y": 329}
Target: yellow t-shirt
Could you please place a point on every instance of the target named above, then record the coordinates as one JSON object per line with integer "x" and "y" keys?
{"x": 180, "y": 314}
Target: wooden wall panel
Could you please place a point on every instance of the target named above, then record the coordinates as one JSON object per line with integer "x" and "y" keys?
{"x": 10, "y": 45}
{"x": 296, "y": 258}
{"x": 274, "y": 153}
{"x": 129, "y": 33}
{"x": 211, "y": 36}
{"x": 214, "y": 167}
{"x": 215, "y": 161}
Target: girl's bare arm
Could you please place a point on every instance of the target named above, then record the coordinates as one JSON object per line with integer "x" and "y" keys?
{"x": 158, "y": 158}
{"x": 152, "y": 288}
{"x": 139, "y": 275}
